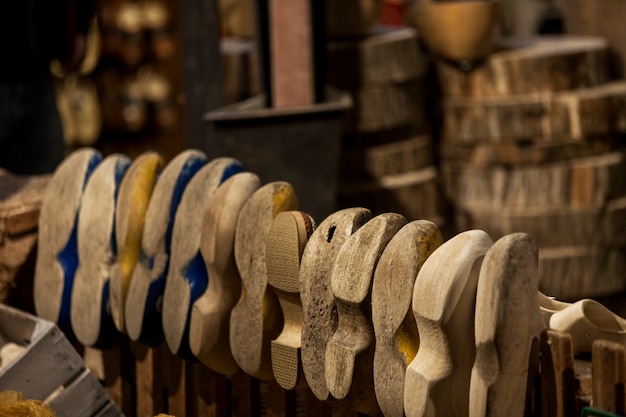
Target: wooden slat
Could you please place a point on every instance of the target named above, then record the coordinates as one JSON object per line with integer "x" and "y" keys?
{"x": 609, "y": 377}
{"x": 563, "y": 366}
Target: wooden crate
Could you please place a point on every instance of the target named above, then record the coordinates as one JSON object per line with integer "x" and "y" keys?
{"x": 45, "y": 366}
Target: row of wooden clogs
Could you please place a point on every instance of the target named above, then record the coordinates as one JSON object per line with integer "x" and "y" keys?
{"x": 376, "y": 312}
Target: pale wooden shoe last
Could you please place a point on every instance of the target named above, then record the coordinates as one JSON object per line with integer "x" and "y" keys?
{"x": 187, "y": 277}
{"x": 257, "y": 318}
{"x": 437, "y": 380}
{"x": 209, "y": 326}
{"x": 318, "y": 303}
{"x": 97, "y": 252}
{"x": 57, "y": 254}
{"x": 350, "y": 351}
{"x": 508, "y": 328}
{"x": 143, "y": 302}
{"x": 397, "y": 339}
{"x": 132, "y": 203}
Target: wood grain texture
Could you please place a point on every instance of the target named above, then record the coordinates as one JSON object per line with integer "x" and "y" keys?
{"x": 209, "y": 326}
{"x": 386, "y": 56}
{"x": 564, "y": 377}
{"x": 507, "y": 329}
{"x": 541, "y": 64}
{"x": 609, "y": 377}
{"x": 387, "y": 106}
{"x": 576, "y": 114}
{"x": 350, "y": 351}
{"x": 284, "y": 245}
{"x": 577, "y": 183}
{"x": 414, "y": 194}
{"x": 143, "y": 309}
{"x": 532, "y": 152}
{"x": 571, "y": 273}
{"x": 57, "y": 254}
{"x": 187, "y": 277}
{"x": 587, "y": 321}
{"x": 90, "y": 313}
{"x": 395, "y": 331}
{"x": 257, "y": 319}
{"x": 397, "y": 157}
{"x": 291, "y": 53}
{"x": 318, "y": 303}
{"x": 443, "y": 304}
{"x": 133, "y": 199}
{"x": 596, "y": 226}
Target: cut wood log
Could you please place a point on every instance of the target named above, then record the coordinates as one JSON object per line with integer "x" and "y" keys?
{"x": 187, "y": 277}
{"x": 572, "y": 273}
{"x": 384, "y": 57}
{"x": 284, "y": 245}
{"x": 145, "y": 292}
{"x": 257, "y": 319}
{"x": 387, "y": 106}
{"x": 599, "y": 226}
{"x": 350, "y": 351}
{"x": 133, "y": 199}
{"x": 57, "y": 255}
{"x": 395, "y": 331}
{"x": 542, "y": 64}
{"x": 508, "y": 328}
{"x": 318, "y": 303}
{"x": 578, "y": 183}
{"x": 574, "y": 114}
{"x": 587, "y": 321}
{"x": 90, "y": 313}
{"x": 414, "y": 194}
{"x": 372, "y": 162}
{"x": 209, "y": 326}
{"x": 541, "y": 150}
{"x": 437, "y": 381}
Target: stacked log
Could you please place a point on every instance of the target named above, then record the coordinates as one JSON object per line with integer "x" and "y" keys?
{"x": 530, "y": 143}
{"x": 387, "y": 161}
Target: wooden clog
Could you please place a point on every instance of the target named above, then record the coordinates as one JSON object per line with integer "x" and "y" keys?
{"x": 350, "y": 351}
{"x": 209, "y": 324}
{"x": 257, "y": 319}
{"x": 587, "y": 321}
{"x": 549, "y": 306}
{"x": 508, "y": 328}
{"x": 437, "y": 381}
{"x": 187, "y": 277}
{"x": 97, "y": 252}
{"x": 57, "y": 255}
{"x": 144, "y": 298}
{"x": 319, "y": 320}
{"x": 284, "y": 245}
{"x": 397, "y": 339}
{"x": 132, "y": 204}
